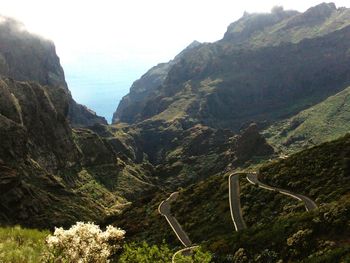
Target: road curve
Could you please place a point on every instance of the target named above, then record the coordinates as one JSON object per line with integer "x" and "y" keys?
{"x": 164, "y": 210}
{"x": 235, "y": 202}
{"x": 309, "y": 204}
{"x": 183, "y": 251}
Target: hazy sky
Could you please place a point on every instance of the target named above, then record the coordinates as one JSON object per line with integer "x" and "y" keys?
{"x": 106, "y": 44}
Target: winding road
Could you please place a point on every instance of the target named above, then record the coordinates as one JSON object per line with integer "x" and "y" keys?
{"x": 235, "y": 208}
{"x": 309, "y": 204}
{"x": 164, "y": 210}
{"x": 235, "y": 202}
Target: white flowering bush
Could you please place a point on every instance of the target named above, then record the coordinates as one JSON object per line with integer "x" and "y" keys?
{"x": 84, "y": 243}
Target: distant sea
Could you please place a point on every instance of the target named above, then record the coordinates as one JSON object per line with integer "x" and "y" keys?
{"x": 101, "y": 86}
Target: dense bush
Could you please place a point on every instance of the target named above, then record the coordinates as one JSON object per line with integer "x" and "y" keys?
{"x": 143, "y": 252}
{"x": 84, "y": 243}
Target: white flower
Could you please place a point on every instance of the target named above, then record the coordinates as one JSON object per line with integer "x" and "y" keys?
{"x": 85, "y": 242}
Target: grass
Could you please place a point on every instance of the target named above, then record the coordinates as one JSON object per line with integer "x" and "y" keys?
{"x": 19, "y": 245}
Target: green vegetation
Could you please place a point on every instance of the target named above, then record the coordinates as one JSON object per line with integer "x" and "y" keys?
{"x": 142, "y": 252}
{"x": 53, "y": 175}
{"x": 20, "y": 245}
{"x": 321, "y": 172}
{"x": 197, "y": 255}
{"x": 323, "y": 122}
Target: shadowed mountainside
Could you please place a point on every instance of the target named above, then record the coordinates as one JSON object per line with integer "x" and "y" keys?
{"x": 53, "y": 175}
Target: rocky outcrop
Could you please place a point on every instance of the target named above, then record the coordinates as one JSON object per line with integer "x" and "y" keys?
{"x": 146, "y": 87}
{"x": 33, "y": 123}
{"x": 251, "y": 144}
{"x": 27, "y": 57}
{"x": 81, "y": 116}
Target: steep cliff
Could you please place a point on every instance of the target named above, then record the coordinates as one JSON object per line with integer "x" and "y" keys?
{"x": 28, "y": 57}
{"x": 146, "y": 87}
{"x": 53, "y": 175}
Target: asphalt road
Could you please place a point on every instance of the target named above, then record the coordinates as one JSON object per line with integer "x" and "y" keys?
{"x": 164, "y": 209}
{"x": 235, "y": 202}
{"x": 309, "y": 204}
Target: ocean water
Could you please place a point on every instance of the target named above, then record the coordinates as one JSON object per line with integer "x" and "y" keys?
{"x": 101, "y": 86}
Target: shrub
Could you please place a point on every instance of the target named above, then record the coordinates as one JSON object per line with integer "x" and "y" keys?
{"x": 198, "y": 256}
{"x": 18, "y": 245}
{"x": 84, "y": 243}
{"x": 142, "y": 252}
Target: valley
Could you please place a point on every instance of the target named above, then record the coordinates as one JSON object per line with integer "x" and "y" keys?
{"x": 234, "y": 151}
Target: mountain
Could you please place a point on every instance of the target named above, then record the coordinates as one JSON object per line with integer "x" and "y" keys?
{"x": 266, "y": 68}
{"x": 323, "y": 122}
{"x": 289, "y": 73}
{"x": 196, "y": 128}
{"x": 28, "y": 57}
{"x": 55, "y": 171}
{"x": 52, "y": 175}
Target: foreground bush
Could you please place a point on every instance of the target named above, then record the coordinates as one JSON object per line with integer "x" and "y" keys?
{"x": 198, "y": 255}
{"x": 142, "y": 252}
{"x": 84, "y": 243}
{"x": 18, "y": 245}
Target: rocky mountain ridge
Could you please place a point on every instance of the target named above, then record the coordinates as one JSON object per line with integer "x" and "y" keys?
{"x": 232, "y": 82}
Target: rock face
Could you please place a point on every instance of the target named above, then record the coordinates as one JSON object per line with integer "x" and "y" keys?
{"x": 51, "y": 175}
{"x": 267, "y": 67}
{"x": 145, "y": 88}
{"x": 250, "y": 143}
{"x": 27, "y": 57}
{"x": 33, "y": 120}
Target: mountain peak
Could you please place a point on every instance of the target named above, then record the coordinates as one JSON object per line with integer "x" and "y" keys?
{"x": 250, "y": 23}
{"x": 321, "y": 9}
{"x": 320, "y": 12}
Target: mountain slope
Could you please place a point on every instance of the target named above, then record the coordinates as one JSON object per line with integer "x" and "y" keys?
{"x": 325, "y": 121}
{"x": 250, "y": 76}
{"x": 51, "y": 175}
{"x": 146, "y": 87}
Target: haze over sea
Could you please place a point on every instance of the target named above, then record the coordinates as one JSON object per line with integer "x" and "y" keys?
{"x": 99, "y": 82}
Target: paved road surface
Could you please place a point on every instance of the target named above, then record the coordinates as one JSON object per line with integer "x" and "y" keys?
{"x": 235, "y": 202}
{"x": 164, "y": 209}
{"x": 309, "y": 204}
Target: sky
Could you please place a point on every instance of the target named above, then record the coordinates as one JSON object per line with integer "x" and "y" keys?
{"x": 105, "y": 45}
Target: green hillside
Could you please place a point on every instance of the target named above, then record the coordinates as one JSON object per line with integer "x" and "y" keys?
{"x": 323, "y": 122}
{"x": 278, "y": 226}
